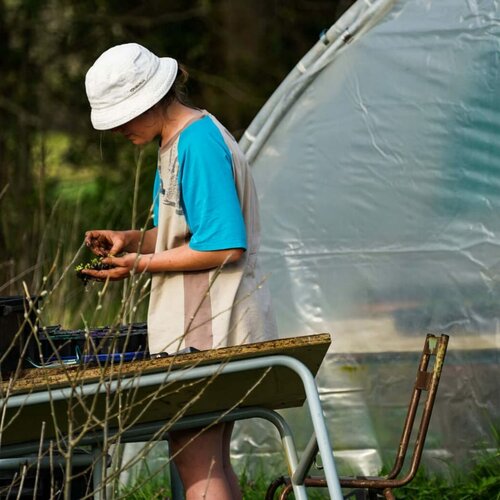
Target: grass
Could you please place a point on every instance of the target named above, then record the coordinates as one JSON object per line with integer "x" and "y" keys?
{"x": 252, "y": 489}
{"x": 482, "y": 482}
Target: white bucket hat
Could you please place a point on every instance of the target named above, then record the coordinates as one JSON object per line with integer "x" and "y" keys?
{"x": 125, "y": 81}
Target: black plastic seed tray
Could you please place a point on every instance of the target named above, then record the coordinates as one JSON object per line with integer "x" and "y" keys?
{"x": 101, "y": 340}
{"x": 17, "y": 315}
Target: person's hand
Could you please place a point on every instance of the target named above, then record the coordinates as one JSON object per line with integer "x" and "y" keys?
{"x": 104, "y": 242}
{"x": 121, "y": 268}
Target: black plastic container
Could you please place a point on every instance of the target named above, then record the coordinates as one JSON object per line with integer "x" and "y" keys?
{"x": 102, "y": 340}
{"x": 16, "y": 338}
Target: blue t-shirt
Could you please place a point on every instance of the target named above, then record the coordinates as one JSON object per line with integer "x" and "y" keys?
{"x": 208, "y": 193}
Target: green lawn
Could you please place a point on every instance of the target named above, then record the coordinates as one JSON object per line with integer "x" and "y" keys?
{"x": 482, "y": 482}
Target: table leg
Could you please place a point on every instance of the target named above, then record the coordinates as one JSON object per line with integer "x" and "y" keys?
{"x": 97, "y": 472}
{"x": 318, "y": 421}
{"x": 175, "y": 482}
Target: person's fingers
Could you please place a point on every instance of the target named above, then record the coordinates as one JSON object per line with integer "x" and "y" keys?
{"x": 101, "y": 275}
{"x": 95, "y": 275}
{"x": 99, "y": 243}
{"x": 98, "y": 250}
{"x": 113, "y": 261}
{"x": 116, "y": 248}
{"x": 89, "y": 239}
{"x": 93, "y": 235}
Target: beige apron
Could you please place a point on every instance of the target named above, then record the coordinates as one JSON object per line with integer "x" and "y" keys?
{"x": 217, "y": 307}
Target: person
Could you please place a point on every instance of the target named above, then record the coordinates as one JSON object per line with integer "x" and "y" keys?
{"x": 207, "y": 290}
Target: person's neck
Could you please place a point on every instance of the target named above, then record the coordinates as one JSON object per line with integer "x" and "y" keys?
{"x": 177, "y": 116}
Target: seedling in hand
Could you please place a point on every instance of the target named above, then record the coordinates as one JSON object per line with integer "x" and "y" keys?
{"x": 96, "y": 264}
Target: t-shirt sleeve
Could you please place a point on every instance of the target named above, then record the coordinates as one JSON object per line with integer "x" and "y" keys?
{"x": 208, "y": 192}
{"x": 156, "y": 198}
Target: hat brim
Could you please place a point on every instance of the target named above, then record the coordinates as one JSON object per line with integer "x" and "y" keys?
{"x": 139, "y": 102}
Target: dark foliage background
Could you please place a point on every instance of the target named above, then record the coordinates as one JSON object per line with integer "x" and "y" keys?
{"x": 58, "y": 176}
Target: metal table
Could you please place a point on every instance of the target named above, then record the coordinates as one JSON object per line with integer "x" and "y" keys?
{"x": 143, "y": 400}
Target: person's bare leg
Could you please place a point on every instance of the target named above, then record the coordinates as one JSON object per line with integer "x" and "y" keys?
{"x": 200, "y": 463}
{"x": 232, "y": 478}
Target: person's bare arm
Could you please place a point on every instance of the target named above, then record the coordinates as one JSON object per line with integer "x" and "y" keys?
{"x": 182, "y": 258}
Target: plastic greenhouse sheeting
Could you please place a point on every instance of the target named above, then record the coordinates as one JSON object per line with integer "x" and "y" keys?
{"x": 377, "y": 162}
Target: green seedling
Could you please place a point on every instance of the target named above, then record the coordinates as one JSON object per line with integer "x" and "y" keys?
{"x": 95, "y": 264}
